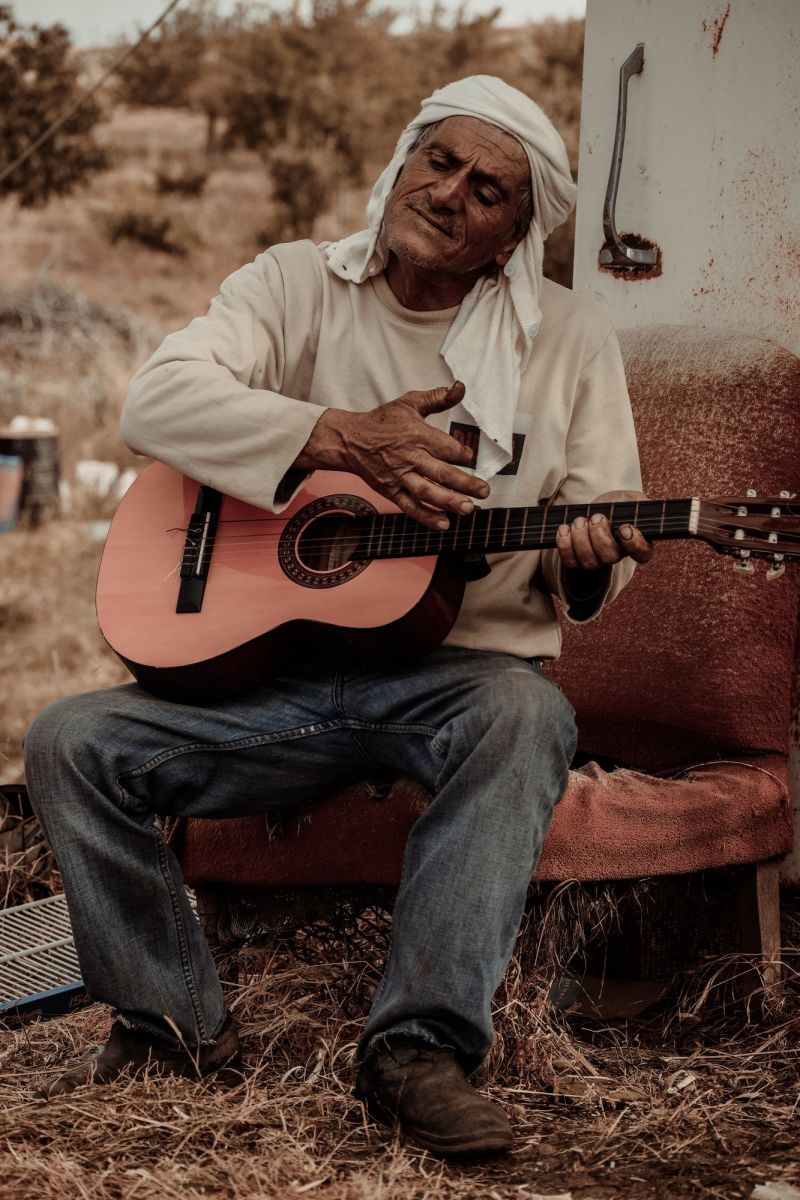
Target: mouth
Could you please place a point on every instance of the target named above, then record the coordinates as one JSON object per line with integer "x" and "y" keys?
{"x": 426, "y": 216}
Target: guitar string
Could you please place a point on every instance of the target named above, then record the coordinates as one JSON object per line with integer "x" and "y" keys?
{"x": 386, "y": 538}
{"x": 459, "y": 539}
{"x": 732, "y": 505}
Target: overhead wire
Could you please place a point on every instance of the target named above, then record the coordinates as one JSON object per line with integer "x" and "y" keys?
{"x": 71, "y": 109}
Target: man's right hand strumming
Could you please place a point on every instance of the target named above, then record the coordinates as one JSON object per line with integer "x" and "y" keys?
{"x": 400, "y": 455}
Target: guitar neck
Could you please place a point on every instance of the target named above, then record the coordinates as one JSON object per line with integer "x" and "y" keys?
{"x": 493, "y": 530}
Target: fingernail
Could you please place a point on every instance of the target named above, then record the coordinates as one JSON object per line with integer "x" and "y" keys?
{"x": 563, "y": 530}
{"x": 625, "y": 531}
{"x": 579, "y": 522}
{"x": 467, "y": 506}
{"x": 442, "y": 524}
{"x": 597, "y": 518}
{"x": 484, "y": 490}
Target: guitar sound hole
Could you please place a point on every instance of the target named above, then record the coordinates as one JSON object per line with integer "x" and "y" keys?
{"x": 324, "y": 544}
{"x": 316, "y": 545}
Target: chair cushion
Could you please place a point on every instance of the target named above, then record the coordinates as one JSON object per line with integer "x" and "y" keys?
{"x": 610, "y": 825}
{"x": 694, "y": 661}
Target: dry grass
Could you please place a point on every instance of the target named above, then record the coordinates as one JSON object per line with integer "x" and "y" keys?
{"x": 49, "y": 642}
{"x": 692, "y": 1102}
{"x": 68, "y": 241}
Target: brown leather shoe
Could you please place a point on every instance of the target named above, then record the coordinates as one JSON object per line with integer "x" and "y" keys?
{"x": 135, "y": 1050}
{"x": 422, "y": 1090}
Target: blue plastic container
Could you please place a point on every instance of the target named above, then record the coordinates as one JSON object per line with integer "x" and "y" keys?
{"x": 10, "y": 489}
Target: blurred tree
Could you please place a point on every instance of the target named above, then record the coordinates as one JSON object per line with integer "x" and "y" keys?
{"x": 310, "y": 96}
{"x": 170, "y": 61}
{"x": 555, "y": 83}
{"x": 323, "y": 96}
{"x": 555, "y": 76}
{"x": 38, "y": 82}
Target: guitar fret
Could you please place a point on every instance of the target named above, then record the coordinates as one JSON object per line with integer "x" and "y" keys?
{"x": 504, "y": 529}
{"x": 456, "y": 530}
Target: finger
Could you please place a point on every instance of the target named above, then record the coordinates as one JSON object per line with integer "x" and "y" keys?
{"x": 437, "y": 399}
{"x": 431, "y": 517}
{"x": 582, "y": 544}
{"x": 635, "y": 544}
{"x": 564, "y": 546}
{"x": 448, "y": 449}
{"x": 450, "y": 477}
{"x": 441, "y": 497}
{"x": 606, "y": 548}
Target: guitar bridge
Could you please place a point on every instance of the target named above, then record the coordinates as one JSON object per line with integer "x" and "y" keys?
{"x": 198, "y": 550}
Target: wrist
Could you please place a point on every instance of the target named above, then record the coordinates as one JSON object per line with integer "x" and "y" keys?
{"x": 326, "y": 445}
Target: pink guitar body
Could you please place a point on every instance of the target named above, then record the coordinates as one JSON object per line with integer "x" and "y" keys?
{"x": 203, "y": 596}
{"x": 263, "y": 606}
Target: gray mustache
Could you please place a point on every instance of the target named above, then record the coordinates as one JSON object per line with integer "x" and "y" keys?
{"x": 426, "y": 209}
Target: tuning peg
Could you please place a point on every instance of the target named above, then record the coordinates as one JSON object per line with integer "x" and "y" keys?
{"x": 744, "y": 567}
{"x": 751, "y": 493}
{"x": 777, "y": 568}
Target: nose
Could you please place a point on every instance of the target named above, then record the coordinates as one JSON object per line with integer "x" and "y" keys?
{"x": 447, "y": 191}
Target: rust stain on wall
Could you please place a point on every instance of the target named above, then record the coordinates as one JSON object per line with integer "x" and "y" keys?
{"x": 633, "y": 273}
{"x": 715, "y": 28}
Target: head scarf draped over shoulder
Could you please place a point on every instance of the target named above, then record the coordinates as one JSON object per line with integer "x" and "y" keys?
{"x": 490, "y": 340}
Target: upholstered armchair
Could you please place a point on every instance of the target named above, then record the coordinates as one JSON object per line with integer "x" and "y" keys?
{"x": 682, "y": 690}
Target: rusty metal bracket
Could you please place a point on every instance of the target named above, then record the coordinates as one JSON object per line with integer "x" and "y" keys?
{"x": 616, "y": 252}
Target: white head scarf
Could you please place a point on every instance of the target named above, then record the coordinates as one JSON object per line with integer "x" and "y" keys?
{"x": 489, "y": 342}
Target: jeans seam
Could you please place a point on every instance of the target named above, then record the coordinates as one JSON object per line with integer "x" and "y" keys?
{"x": 360, "y": 1052}
{"x": 183, "y": 941}
{"x": 351, "y": 726}
{"x": 249, "y": 743}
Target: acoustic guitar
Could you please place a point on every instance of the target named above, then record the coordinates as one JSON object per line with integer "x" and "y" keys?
{"x": 203, "y": 596}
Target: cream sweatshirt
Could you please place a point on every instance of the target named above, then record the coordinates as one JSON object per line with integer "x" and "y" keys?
{"x": 231, "y": 401}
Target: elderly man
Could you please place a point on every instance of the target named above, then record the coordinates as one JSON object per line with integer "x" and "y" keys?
{"x": 313, "y": 357}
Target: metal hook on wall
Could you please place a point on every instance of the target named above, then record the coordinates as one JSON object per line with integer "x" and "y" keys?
{"x": 615, "y": 252}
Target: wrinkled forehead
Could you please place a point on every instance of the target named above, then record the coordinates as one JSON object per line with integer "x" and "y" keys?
{"x": 472, "y": 138}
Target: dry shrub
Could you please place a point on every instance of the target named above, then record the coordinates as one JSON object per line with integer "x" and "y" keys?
{"x": 70, "y": 360}
{"x": 152, "y": 227}
{"x": 181, "y": 176}
{"x": 302, "y": 183}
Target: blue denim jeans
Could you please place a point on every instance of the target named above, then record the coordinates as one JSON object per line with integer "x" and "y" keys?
{"x": 486, "y": 733}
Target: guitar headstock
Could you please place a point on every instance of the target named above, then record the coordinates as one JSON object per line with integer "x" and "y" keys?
{"x": 748, "y": 528}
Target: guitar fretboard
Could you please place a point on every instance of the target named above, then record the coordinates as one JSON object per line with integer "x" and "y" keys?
{"x": 491, "y": 530}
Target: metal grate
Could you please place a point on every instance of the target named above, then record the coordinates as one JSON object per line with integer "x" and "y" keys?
{"x": 38, "y": 964}
{"x": 39, "y": 972}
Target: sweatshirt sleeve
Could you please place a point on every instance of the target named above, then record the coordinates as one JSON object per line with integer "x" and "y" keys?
{"x": 208, "y": 402}
{"x": 601, "y": 456}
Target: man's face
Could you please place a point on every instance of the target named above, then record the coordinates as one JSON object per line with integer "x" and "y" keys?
{"x": 454, "y": 205}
